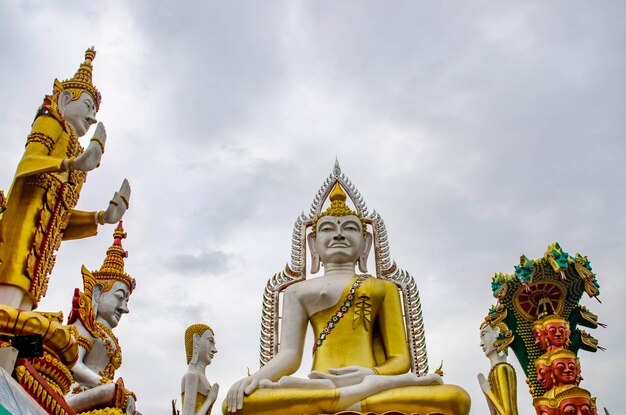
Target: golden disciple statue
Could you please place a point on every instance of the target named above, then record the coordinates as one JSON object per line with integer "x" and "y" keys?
{"x": 500, "y": 387}
{"x": 198, "y": 395}
{"x": 40, "y": 204}
{"x": 363, "y": 359}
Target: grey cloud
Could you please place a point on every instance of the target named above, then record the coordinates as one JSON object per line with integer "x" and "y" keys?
{"x": 479, "y": 131}
{"x": 206, "y": 263}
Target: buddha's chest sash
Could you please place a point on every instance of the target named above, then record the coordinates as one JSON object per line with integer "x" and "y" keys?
{"x": 362, "y": 309}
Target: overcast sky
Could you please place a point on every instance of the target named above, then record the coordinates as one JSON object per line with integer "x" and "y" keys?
{"x": 480, "y": 131}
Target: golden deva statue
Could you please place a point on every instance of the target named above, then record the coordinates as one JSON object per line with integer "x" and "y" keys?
{"x": 361, "y": 356}
{"x": 500, "y": 386}
{"x": 40, "y": 204}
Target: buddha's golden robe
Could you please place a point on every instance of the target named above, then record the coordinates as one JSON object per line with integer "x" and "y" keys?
{"x": 371, "y": 334}
{"x": 503, "y": 393}
{"x": 40, "y": 207}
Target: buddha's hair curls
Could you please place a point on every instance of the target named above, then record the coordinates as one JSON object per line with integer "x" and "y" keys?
{"x": 198, "y": 329}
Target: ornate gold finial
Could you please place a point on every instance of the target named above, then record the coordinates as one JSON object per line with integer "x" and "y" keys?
{"x": 338, "y": 207}
{"x": 81, "y": 82}
{"x": 112, "y": 268}
{"x": 439, "y": 370}
{"x": 338, "y": 195}
{"x": 199, "y": 329}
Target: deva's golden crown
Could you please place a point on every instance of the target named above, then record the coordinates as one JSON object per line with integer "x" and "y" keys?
{"x": 81, "y": 82}
{"x": 112, "y": 268}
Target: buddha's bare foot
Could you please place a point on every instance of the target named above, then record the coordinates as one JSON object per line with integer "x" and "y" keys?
{"x": 297, "y": 383}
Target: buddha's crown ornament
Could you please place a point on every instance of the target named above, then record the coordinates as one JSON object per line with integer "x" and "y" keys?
{"x": 81, "y": 81}
{"x": 112, "y": 268}
{"x": 338, "y": 207}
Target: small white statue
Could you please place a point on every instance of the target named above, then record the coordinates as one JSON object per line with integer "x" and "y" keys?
{"x": 501, "y": 387}
{"x": 95, "y": 312}
{"x": 198, "y": 395}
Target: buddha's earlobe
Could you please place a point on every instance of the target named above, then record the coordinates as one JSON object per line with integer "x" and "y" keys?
{"x": 195, "y": 352}
{"x": 367, "y": 245}
{"x": 315, "y": 257}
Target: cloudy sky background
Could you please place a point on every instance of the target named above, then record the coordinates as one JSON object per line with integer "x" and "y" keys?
{"x": 479, "y": 131}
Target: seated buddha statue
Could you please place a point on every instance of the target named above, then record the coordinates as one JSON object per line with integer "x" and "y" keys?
{"x": 198, "y": 395}
{"x": 361, "y": 358}
{"x": 45, "y": 190}
{"x": 500, "y": 387}
{"x": 95, "y": 313}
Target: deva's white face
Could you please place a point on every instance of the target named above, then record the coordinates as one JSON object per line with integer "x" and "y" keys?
{"x": 206, "y": 347}
{"x": 339, "y": 239}
{"x": 113, "y": 304}
{"x": 79, "y": 114}
{"x": 488, "y": 337}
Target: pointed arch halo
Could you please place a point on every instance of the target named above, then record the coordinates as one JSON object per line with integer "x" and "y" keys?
{"x": 295, "y": 271}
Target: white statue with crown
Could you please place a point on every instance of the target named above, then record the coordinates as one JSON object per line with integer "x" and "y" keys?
{"x": 95, "y": 313}
{"x": 369, "y": 354}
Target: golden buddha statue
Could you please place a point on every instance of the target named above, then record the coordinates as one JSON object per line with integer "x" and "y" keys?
{"x": 362, "y": 358}
{"x": 40, "y": 203}
{"x": 95, "y": 313}
{"x": 197, "y": 394}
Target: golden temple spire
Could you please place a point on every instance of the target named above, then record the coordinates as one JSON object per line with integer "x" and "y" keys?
{"x": 113, "y": 266}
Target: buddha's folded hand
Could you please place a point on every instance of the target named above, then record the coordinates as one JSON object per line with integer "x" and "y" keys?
{"x": 345, "y": 376}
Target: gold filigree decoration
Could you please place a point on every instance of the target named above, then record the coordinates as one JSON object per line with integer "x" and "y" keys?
{"x": 114, "y": 351}
{"x": 44, "y": 139}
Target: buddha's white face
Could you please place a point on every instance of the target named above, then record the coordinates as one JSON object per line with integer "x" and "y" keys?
{"x": 206, "y": 347}
{"x": 339, "y": 239}
{"x": 79, "y": 114}
{"x": 488, "y": 337}
{"x": 113, "y": 304}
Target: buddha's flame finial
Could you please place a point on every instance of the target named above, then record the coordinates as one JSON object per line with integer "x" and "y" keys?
{"x": 338, "y": 195}
{"x": 113, "y": 266}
